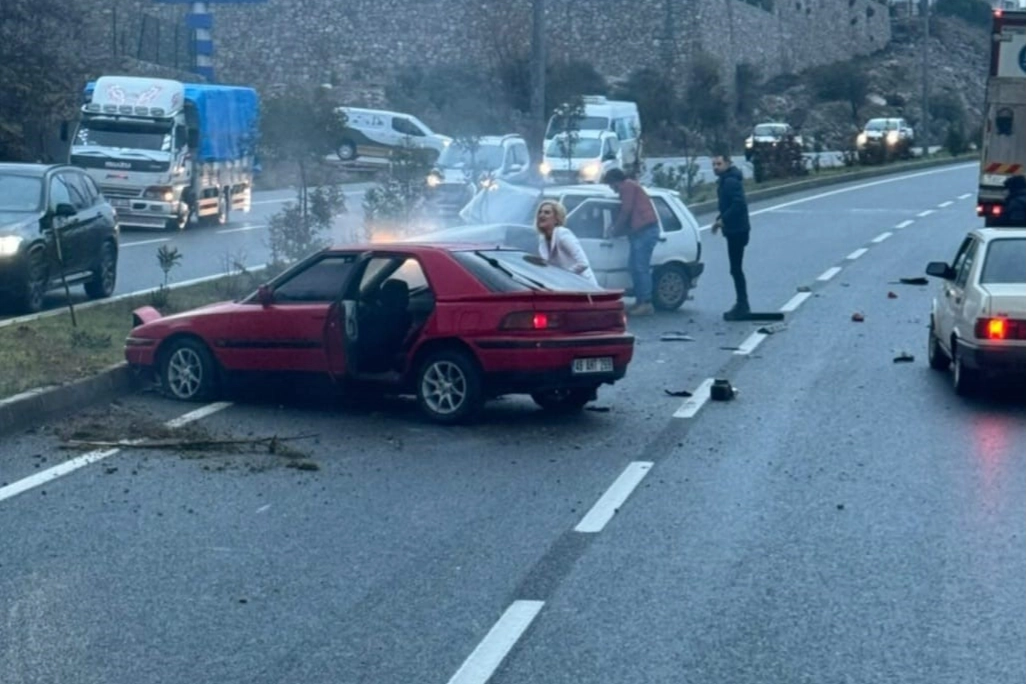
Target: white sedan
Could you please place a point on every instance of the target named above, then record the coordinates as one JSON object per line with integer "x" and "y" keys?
{"x": 977, "y": 317}
{"x": 677, "y": 259}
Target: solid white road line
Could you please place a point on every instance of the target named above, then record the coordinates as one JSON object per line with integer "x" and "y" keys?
{"x": 829, "y": 273}
{"x": 614, "y": 497}
{"x": 945, "y": 204}
{"x": 904, "y": 224}
{"x": 73, "y": 464}
{"x": 882, "y": 237}
{"x": 750, "y": 344}
{"x": 795, "y": 302}
{"x": 851, "y": 188}
{"x": 965, "y": 195}
{"x": 140, "y": 243}
{"x": 927, "y": 212}
{"x": 695, "y": 402}
{"x": 482, "y": 663}
{"x": 857, "y": 254}
{"x": 243, "y": 229}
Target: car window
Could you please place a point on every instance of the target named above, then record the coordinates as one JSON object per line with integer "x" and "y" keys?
{"x": 590, "y": 219}
{"x": 321, "y": 281}
{"x": 92, "y": 187}
{"x": 59, "y": 193}
{"x": 571, "y": 202}
{"x": 406, "y": 127}
{"x": 1005, "y": 262}
{"x": 963, "y": 272}
{"x": 521, "y": 154}
{"x": 411, "y": 273}
{"x": 668, "y": 219}
{"x": 20, "y": 193}
{"x": 80, "y": 196}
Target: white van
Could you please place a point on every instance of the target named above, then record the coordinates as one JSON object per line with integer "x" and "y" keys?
{"x": 600, "y": 114}
{"x": 590, "y": 156}
{"x": 376, "y": 133}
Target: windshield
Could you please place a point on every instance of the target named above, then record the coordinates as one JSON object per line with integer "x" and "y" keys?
{"x": 124, "y": 135}
{"x": 583, "y": 148}
{"x": 511, "y": 271}
{"x": 769, "y": 129}
{"x": 1006, "y": 262}
{"x": 881, "y": 125}
{"x": 557, "y": 124}
{"x": 20, "y": 193}
{"x": 457, "y": 156}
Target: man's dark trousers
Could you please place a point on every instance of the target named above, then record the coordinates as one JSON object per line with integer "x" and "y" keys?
{"x": 736, "y": 243}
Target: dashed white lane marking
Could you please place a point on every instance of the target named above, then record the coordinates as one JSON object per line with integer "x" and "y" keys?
{"x": 795, "y": 302}
{"x": 91, "y": 457}
{"x": 140, "y": 243}
{"x": 750, "y": 343}
{"x": 695, "y": 402}
{"x": 851, "y": 188}
{"x": 904, "y": 224}
{"x": 945, "y": 204}
{"x": 483, "y": 661}
{"x": 829, "y": 273}
{"x": 882, "y": 237}
{"x": 857, "y": 254}
{"x": 613, "y": 498}
{"x": 926, "y": 212}
{"x": 965, "y": 195}
{"x": 240, "y": 230}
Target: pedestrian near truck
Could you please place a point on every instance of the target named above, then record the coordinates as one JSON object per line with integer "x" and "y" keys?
{"x": 733, "y": 221}
{"x": 638, "y": 220}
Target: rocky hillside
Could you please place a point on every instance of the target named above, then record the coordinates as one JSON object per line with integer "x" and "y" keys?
{"x": 957, "y": 68}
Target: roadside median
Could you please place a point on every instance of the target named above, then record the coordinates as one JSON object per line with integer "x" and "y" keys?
{"x": 52, "y": 368}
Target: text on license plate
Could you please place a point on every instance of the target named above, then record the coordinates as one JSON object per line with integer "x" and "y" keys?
{"x": 601, "y": 364}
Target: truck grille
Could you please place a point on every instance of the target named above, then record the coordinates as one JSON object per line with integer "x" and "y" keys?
{"x": 112, "y": 191}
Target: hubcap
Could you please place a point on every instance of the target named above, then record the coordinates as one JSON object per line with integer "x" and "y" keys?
{"x": 185, "y": 373}
{"x": 671, "y": 287}
{"x": 444, "y": 387}
{"x": 108, "y": 270}
{"x": 36, "y": 284}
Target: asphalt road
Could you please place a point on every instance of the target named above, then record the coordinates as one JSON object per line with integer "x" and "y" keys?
{"x": 845, "y": 519}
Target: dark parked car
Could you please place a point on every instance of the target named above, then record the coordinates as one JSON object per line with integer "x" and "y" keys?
{"x": 53, "y": 218}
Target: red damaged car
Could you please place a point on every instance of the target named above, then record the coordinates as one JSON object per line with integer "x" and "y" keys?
{"x": 452, "y": 325}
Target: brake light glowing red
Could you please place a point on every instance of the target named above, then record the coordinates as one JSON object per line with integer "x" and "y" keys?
{"x": 540, "y": 321}
{"x": 996, "y": 209}
{"x": 531, "y": 320}
{"x": 997, "y": 329}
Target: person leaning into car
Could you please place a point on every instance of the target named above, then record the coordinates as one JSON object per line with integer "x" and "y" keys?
{"x": 557, "y": 245}
{"x": 637, "y": 219}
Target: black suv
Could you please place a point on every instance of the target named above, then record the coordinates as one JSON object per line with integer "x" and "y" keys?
{"x": 53, "y": 219}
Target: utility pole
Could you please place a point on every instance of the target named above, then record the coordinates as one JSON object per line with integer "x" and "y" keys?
{"x": 925, "y": 9}
{"x": 538, "y": 71}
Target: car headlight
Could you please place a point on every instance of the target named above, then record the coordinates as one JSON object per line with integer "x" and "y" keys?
{"x": 434, "y": 180}
{"x": 591, "y": 170}
{"x": 545, "y": 168}
{"x": 748, "y": 142}
{"x": 893, "y": 137}
{"x": 9, "y": 245}
{"x": 159, "y": 193}
{"x": 861, "y": 139}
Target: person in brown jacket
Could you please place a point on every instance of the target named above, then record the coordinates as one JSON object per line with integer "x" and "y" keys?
{"x": 638, "y": 220}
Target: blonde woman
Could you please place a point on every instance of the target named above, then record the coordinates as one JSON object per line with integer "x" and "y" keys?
{"x": 557, "y": 245}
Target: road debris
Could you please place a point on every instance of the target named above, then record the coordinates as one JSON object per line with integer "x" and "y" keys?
{"x": 772, "y": 328}
{"x": 892, "y": 295}
{"x": 273, "y": 443}
{"x": 903, "y": 357}
{"x": 678, "y": 393}
{"x": 858, "y": 317}
{"x": 914, "y": 281}
{"x": 803, "y": 288}
{"x": 676, "y": 336}
{"x": 598, "y": 409}
{"x": 722, "y": 390}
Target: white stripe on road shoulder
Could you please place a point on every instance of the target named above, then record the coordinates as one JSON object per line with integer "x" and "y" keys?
{"x": 857, "y": 254}
{"x": 750, "y": 344}
{"x": 926, "y": 212}
{"x": 904, "y": 224}
{"x": 199, "y": 413}
{"x": 882, "y": 237}
{"x": 945, "y": 204}
{"x": 795, "y": 302}
{"x": 829, "y": 273}
{"x": 965, "y": 195}
{"x": 241, "y": 230}
{"x": 140, "y": 243}
{"x": 486, "y": 658}
{"x": 613, "y": 498}
{"x": 695, "y": 402}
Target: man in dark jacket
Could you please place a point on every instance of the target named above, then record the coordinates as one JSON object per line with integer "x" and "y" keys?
{"x": 1014, "y": 210}
{"x": 733, "y": 220}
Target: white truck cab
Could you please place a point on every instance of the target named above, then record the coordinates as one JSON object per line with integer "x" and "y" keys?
{"x": 582, "y": 158}
{"x": 619, "y": 117}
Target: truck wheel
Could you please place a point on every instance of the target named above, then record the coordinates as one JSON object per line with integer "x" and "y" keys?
{"x": 347, "y": 151}
{"x": 105, "y": 275}
{"x": 670, "y": 287}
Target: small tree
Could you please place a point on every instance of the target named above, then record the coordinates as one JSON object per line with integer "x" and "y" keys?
{"x": 843, "y": 81}
{"x": 568, "y": 121}
{"x": 390, "y": 206}
{"x": 168, "y": 258}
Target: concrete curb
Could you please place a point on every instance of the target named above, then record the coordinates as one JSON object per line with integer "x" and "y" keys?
{"x": 36, "y": 406}
{"x": 39, "y": 405}
{"x": 834, "y": 179}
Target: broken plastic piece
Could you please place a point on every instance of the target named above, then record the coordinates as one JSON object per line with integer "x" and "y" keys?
{"x": 772, "y": 328}
{"x": 904, "y": 357}
{"x": 722, "y": 390}
{"x": 858, "y": 317}
{"x": 803, "y": 288}
{"x": 892, "y": 295}
{"x": 678, "y": 393}
{"x": 913, "y": 281}
{"x": 676, "y": 337}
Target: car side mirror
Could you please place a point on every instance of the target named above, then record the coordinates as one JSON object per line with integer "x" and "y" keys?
{"x": 939, "y": 269}
{"x": 266, "y": 295}
{"x": 63, "y": 209}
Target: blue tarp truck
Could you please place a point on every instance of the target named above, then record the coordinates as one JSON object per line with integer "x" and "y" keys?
{"x": 164, "y": 152}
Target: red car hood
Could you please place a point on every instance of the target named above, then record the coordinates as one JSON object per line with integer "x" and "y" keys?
{"x": 148, "y": 318}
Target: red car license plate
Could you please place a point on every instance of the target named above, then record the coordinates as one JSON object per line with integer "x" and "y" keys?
{"x": 602, "y": 364}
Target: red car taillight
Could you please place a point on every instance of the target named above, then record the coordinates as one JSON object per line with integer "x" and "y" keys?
{"x": 999, "y": 329}
{"x": 531, "y": 320}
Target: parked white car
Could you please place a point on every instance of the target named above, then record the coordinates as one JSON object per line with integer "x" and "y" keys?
{"x": 583, "y": 159}
{"x": 507, "y": 212}
{"x": 377, "y": 133}
{"x": 977, "y": 317}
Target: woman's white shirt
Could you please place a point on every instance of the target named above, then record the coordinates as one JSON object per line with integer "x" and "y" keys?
{"x": 566, "y": 252}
